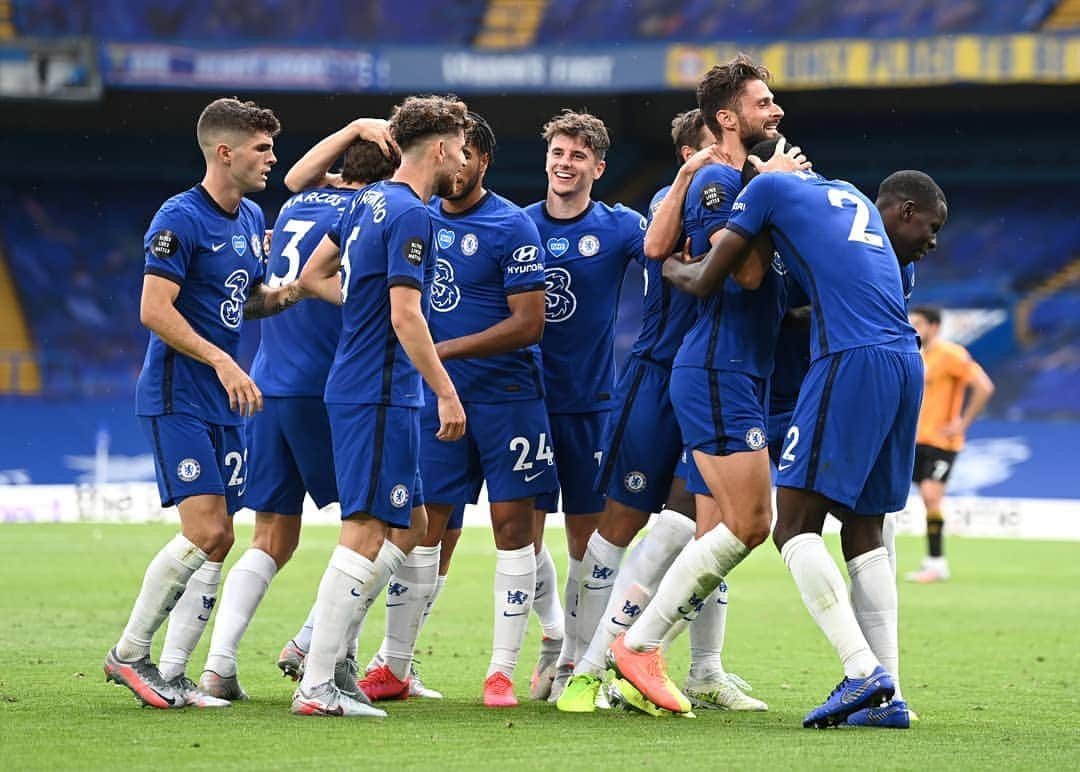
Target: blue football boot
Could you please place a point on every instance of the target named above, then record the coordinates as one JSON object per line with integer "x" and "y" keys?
{"x": 892, "y": 715}
{"x": 850, "y": 695}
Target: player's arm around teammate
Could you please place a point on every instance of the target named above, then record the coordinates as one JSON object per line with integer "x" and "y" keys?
{"x": 661, "y": 238}
{"x": 313, "y": 168}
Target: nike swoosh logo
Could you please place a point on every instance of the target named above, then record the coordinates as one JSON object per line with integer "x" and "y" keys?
{"x": 356, "y": 594}
{"x": 531, "y": 477}
{"x": 617, "y": 622}
{"x": 520, "y": 614}
{"x": 593, "y": 587}
{"x": 203, "y": 619}
{"x": 782, "y": 467}
{"x": 394, "y": 605}
{"x": 217, "y": 247}
{"x": 169, "y": 700}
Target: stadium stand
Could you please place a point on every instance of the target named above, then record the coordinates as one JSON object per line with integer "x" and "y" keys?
{"x": 582, "y": 21}
{"x": 326, "y": 21}
{"x": 520, "y": 23}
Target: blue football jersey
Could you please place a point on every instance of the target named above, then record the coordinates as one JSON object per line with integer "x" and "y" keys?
{"x": 586, "y": 258}
{"x": 833, "y": 242}
{"x": 667, "y": 313}
{"x": 792, "y": 358}
{"x": 216, "y": 258}
{"x": 484, "y": 254}
{"x": 907, "y": 280}
{"x": 736, "y": 329}
{"x": 297, "y": 347}
{"x": 386, "y": 240}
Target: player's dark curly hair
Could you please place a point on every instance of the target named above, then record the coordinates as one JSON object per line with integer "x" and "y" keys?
{"x": 723, "y": 84}
{"x": 910, "y": 185}
{"x": 686, "y": 130}
{"x": 420, "y": 117}
{"x": 479, "y": 134}
{"x": 365, "y": 163}
{"x": 590, "y": 128}
{"x": 229, "y": 114}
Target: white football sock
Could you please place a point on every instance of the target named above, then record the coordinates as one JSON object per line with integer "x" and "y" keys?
{"x": 515, "y": 577}
{"x": 244, "y": 588}
{"x": 188, "y": 619}
{"x": 873, "y": 598}
{"x": 302, "y": 639}
{"x": 600, "y": 568}
{"x": 439, "y": 584}
{"x": 636, "y": 583}
{"x": 570, "y": 599}
{"x": 707, "y": 635}
{"x": 347, "y": 588}
{"x": 386, "y": 564}
{"x": 825, "y": 596}
{"x": 163, "y": 586}
{"x": 696, "y": 572}
{"x": 546, "y": 596}
{"x": 888, "y": 538}
{"x": 407, "y": 596}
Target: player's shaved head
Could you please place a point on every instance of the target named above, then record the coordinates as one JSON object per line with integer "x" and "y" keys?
{"x": 763, "y": 150}
{"x": 590, "y": 129}
{"x": 419, "y": 118}
{"x": 226, "y": 119}
{"x": 910, "y": 185}
{"x": 723, "y": 84}
{"x": 687, "y": 130}
{"x": 364, "y": 163}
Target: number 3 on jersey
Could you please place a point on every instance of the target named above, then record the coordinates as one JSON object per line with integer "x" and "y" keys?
{"x": 298, "y": 229}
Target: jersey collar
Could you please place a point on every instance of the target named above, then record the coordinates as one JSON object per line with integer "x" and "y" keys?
{"x": 210, "y": 200}
{"x": 566, "y": 220}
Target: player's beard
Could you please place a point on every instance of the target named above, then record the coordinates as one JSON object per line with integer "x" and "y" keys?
{"x": 750, "y": 134}
{"x": 468, "y": 185}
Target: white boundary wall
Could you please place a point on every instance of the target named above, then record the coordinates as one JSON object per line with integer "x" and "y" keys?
{"x": 1051, "y": 519}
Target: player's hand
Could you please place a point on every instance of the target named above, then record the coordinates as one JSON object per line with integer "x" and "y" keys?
{"x": 244, "y": 395}
{"x": 378, "y": 131}
{"x": 713, "y": 154}
{"x": 790, "y": 160}
{"x": 268, "y": 236}
{"x": 451, "y": 419}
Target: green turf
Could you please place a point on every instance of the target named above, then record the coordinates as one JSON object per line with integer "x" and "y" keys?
{"x": 990, "y": 661}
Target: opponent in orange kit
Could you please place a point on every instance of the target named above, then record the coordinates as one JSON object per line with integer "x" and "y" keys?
{"x": 951, "y": 374}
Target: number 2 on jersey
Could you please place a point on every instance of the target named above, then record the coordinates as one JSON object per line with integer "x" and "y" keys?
{"x": 862, "y": 217}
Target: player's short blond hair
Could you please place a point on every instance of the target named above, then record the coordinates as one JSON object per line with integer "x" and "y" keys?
{"x": 420, "y": 117}
{"x": 588, "y": 127}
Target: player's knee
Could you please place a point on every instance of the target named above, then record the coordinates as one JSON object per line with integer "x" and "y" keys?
{"x": 512, "y": 534}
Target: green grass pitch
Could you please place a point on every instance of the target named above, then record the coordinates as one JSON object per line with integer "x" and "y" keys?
{"x": 990, "y": 661}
